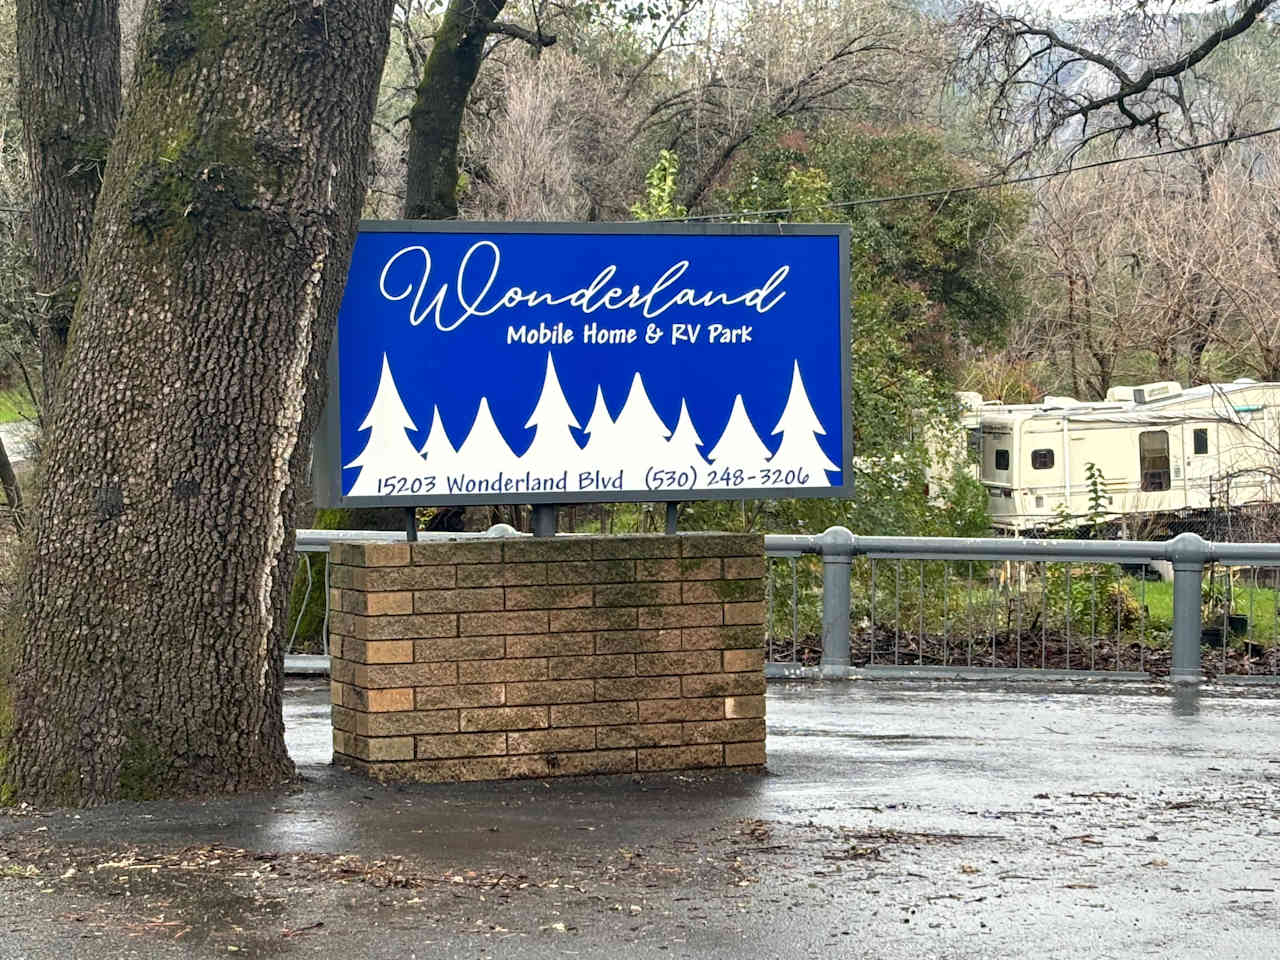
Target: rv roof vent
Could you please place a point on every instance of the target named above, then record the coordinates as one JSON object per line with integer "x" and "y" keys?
{"x": 1051, "y": 401}
{"x": 1156, "y": 391}
{"x": 1244, "y": 380}
{"x": 1120, "y": 395}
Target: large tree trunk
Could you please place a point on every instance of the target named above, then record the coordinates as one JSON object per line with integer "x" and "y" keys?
{"x": 435, "y": 122}
{"x": 156, "y": 590}
{"x": 69, "y": 94}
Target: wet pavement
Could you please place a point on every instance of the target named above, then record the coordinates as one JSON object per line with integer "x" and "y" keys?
{"x": 896, "y": 820}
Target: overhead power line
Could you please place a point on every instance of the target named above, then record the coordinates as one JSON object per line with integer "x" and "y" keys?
{"x": 972, "y": 187}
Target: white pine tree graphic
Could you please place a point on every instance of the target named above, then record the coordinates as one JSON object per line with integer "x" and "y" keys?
{"x": 438, "y": 451}
{"x": 800, "y": 429}
{"x": 640, "y": 438}
{"x": 389, "y": 452}
{"x": 739, "y": 447}
{"x": 682, "y": 448}
{"x": 600, "y": 433}
{"x": 553, "y": 448}
{"x": 485, "y": 452}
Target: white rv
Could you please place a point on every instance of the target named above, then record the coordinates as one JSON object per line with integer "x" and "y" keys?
{"x": 1159, "y": 449}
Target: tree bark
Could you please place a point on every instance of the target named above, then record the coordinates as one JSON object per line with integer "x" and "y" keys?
{"x": 156, "y": 591}
{"x": 69, "y": 97}
{"x": 435, "y": 122}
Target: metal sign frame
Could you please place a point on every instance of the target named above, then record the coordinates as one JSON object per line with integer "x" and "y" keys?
{"x": 327, "y": 459}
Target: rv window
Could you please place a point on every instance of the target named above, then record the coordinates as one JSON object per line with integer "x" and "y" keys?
{"x": 1153, "y": 459}
{"x": 1200, "y": 440}
{"x": 1041, "y": 459}
{"x": 1002, "y": 459}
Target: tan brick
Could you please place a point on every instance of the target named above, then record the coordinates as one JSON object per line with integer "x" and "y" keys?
{"x": 403, "y": 578}
{"x": 405, "y": 675}
{"x": 751, "y": 612}
{"x": 595, "y": 761}
{"x": 341, "y": 576}
{"x": 702, "y": 568}
{"x": 592, "y": 714}
{"x": 335, "y": 599}
{"x": 634, "y": 547}
{"x": 721, "y": 638}
{"x": 547, "y": 598}
{"x": 339, "y": 554}
{"x": 456, "y": 551}
{"x": 480, "y": 575}
{"x": 460, "y": 648}
{"x": 723, "y": 684}
{"x": 387, "y": 700}
{"x": 636, "y": 641}
{"x": 502, "y": 671}
{"x": 592, "y": 571}
{"x": 342, "y": 718}
{"x": 551, "y": 645}
{"x": 568, "y": 621}
{"x": 504, "y": 623}
{"x": 641, "y": 735}
{"x": 463, "y": 695}
{"x": 461, "y": 745}
{"x": 724, "y": 731}
{"x": 377, "y": 651}
{"x": 664, "y": 664}
{"x": 335, "y": 645}
{"x": 383, "y": 748}
{"x": 546, "y": 548}
{"x": 688, "y": 615}
{"x": 342, "y": 671}
{"x": 744, "y": 754}
{"x": 636, "y": 594}
{"x": 638, "y": 688}
{"x": 469, "y": 769}
{"x": 737, "y": 661}
{"x": 552, "y": 741}
{"x": 744, "y": 568}
{"x": 680, "y": 758}
{"x": 386, "y": 554}
{"x": 406, "y": 723}
{"x": 524, "y": 574}
{"x": 550, "y": 691}
{"x": 736, "y": 708}
{"x": 412, "y": 627}
{"x": 457, "y": 600}
{"x": 721, "y": 545}
{"x": 569, "y": 668}
{"x": 722, "y": 591}
{"x": 378, "y": 604}
{"x": 503, "y": 718}
{"x": 664, "y": 711}
{"x": 343, "y": 742}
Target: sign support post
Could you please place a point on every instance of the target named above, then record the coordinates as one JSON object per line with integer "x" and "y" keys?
{"x": 544, "y": 519}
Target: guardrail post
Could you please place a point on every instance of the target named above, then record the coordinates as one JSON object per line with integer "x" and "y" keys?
{"x": 1188, "y": 553}
{"x": 837, "y": 557}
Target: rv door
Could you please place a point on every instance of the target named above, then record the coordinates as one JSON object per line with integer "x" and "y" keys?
{"x": 1200, "y": 459}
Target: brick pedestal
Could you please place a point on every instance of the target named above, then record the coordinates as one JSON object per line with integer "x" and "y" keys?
{"x": 506, "y": 658}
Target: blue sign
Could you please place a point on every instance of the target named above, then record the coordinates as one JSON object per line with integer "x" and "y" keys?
{"x": 524, "y": 363}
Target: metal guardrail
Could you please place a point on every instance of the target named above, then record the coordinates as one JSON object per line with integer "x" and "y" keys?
{"x": 838, "y": 549}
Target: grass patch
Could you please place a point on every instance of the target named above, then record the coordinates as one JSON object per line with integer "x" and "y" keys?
{"x": 15, "y": 405}
{"x": 1256, "y": 603}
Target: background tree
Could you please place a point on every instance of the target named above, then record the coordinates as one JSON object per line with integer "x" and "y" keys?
{"x": 155, "y": 592}
{"x": 69, "y": 83}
